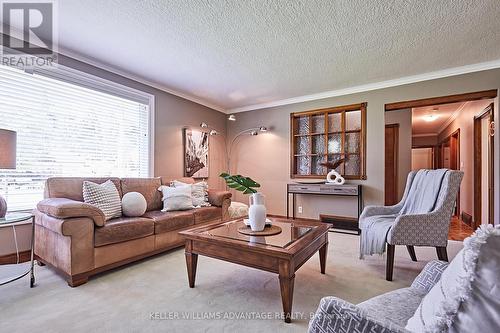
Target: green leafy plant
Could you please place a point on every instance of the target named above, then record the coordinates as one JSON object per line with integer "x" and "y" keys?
{"x": 240, "y": 183}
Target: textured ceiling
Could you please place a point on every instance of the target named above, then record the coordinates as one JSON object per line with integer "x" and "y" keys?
{"x": 238, "y": 53}
{"x": 442, "y": 112}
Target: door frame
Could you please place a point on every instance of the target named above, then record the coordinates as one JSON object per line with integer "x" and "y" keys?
{"x": 434, "y": 153}
{"x": 395, "y": 164}
{"x": 474, "y": 96}
{"x": 454, "y": 141}
{"x": 487, "y": 112}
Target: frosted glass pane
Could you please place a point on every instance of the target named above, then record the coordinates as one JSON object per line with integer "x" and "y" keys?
{"x": 334, "y": 144}
{"x": 303, "y": 125}
{"x": 318, "y": 169}
{"x": 303, "y": 163}
{"x": 352, "y": 165}
{"x": 353, "y": 120}
{"x": 352, "y": 142}
{"x": 334, "y": 122}
{"x": 318, "y": 123}
{"x": 303, "y": 145}
{"x": 319, "y": 144}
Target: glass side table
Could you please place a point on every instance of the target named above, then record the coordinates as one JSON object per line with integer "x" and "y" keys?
{"x": 11, "y": 220}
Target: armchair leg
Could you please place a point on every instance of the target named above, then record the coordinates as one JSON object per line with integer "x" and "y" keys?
{"x": 411, "y": 251}
{"x": 390, "y": 262}
{"x": 441, "y": 253}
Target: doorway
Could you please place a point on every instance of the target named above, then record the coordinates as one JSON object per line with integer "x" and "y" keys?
{"x": 449, "y": 158}
{"x": 422, "y": 158}
{"x": 391, "y": 163}
{"x": 444, "y": 133}
{"x": 483, "y": 167}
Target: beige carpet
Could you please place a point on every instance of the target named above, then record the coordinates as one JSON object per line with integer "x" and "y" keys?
{"x": 123, "y": 300}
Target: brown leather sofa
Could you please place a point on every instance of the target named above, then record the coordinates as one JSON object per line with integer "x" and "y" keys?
{"x": 73, "y": 237}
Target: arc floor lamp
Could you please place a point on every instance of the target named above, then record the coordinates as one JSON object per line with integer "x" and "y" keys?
{"x": 253, "y": 131}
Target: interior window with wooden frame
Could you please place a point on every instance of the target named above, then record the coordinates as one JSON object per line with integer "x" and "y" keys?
{"x": 329, "y": 135}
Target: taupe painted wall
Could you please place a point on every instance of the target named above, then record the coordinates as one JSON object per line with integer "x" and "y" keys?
{"x": 172, "y": 113}
{"x": 403, "y": 118}
{"x": 267, "y": 157}
{"x": 465, "y": 122}
{"x": 430, "y": 140}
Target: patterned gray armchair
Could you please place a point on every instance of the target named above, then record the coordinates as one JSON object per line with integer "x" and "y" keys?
{"x": 386, "y": 313}
{"x": 429, "y": 229}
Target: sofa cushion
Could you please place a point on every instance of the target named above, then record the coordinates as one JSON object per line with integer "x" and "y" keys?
{"x": 71, "y": 187}
{"x": 123, "y": 229}
{"x": 204, "y": 214}
{"x": 395, "y": 306}
{"x": 167, "y": 181}
{"x": 148, "y": 187}
{"x": 169, "y": 221}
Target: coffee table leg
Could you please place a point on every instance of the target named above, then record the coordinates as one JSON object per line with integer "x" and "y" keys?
{"x": 287, "y": 278}
{"x": 322, "y": 257}
{"x": 191, "y": 262}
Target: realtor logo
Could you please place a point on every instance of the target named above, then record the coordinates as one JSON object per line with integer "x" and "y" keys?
{"x": 28, "y": 33}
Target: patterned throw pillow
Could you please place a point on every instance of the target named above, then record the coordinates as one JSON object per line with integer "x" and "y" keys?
{"x": 466, "y": 298}
{"x": 199, "y": 192}
{"x": 104, "y": 196}
{"x": 176, "y": 198}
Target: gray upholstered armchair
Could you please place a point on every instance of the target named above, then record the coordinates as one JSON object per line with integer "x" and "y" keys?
{"x": 387, "y": 313}
{"x": 429, "y": 229}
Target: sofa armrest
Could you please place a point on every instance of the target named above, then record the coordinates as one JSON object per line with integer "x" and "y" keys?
{"x": 63, "y": 208}
{"x": 216, "y": 197}
{"x": 338, "y": 316}
{"x": 429, "y": 276}
{"x": 67, "y": 244}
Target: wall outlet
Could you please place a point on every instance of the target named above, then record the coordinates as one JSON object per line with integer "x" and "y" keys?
{"x": 300, "y": 209}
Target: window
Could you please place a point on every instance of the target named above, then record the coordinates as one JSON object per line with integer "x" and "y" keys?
{"x": 329, "y": 135}
{"x": 65, "y": 128}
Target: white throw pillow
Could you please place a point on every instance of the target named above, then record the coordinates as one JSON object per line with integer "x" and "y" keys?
{"x": 468, "y": 293}
{"x": 199, "y": 192}
{"x": 134, "y": 204}
{"x": 104, "y": 196}
{"x": 176, "y": 198}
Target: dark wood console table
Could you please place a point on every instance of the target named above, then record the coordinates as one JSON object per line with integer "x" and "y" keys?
{"x": 346, "y": 190}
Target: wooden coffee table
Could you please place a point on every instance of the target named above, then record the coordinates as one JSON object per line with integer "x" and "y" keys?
{"x": 283, "y": 253}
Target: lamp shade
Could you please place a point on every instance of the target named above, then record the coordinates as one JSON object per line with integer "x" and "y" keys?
{"x": 7, "y": 149}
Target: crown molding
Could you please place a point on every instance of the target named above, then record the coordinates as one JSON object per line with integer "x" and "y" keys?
{"x": 374, "y": 86}
{"x": 453, "y": 116}
{"x": 127, "y": 75}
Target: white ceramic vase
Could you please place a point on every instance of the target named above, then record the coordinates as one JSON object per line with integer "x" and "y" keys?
{"x": 257, "y": 212}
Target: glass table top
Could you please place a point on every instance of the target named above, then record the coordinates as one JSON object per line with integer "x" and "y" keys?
{"x": 11, "y": 218}
{"x": 289, "y": 233}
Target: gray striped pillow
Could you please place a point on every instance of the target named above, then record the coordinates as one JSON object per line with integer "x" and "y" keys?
{"x": 104, "y": 196}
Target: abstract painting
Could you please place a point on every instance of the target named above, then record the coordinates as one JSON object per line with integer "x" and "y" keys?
{"x": 195, "y": 153}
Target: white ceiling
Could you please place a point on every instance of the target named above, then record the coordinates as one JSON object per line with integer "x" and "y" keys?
{"x": 445, "y": 114}
{"x": 232, "y": 54}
